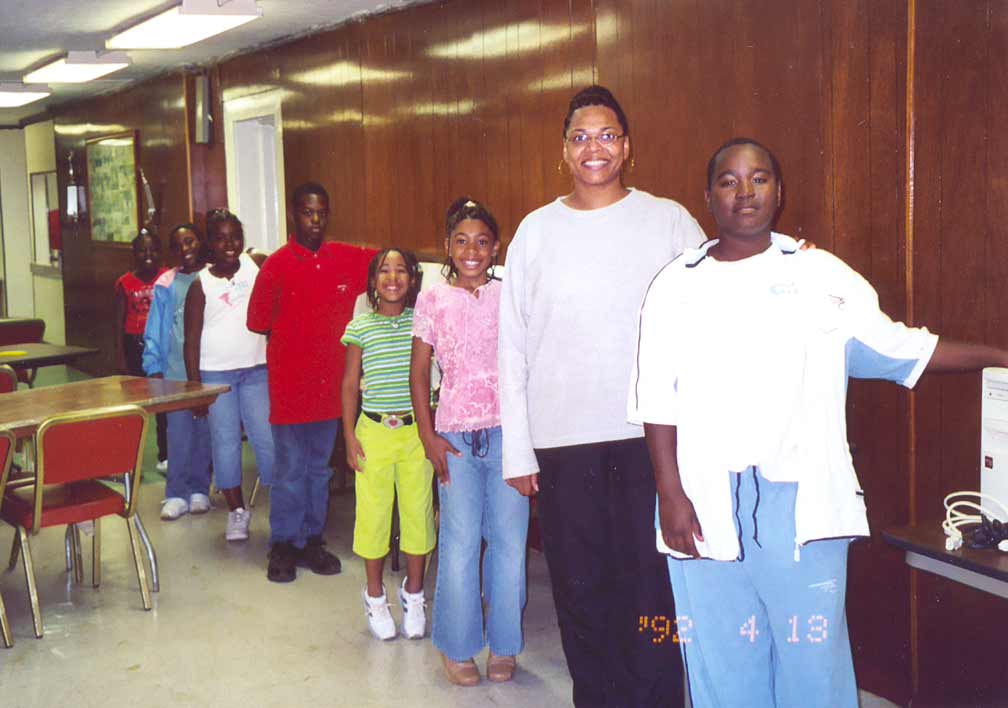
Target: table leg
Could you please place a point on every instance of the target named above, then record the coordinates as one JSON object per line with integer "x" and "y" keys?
{"x": 151, "y": 555}
{"x": 144, "y": 539}
{"x": 69, "y": 552}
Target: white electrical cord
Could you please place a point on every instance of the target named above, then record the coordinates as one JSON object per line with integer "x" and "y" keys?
{"x": 955, "y": 516}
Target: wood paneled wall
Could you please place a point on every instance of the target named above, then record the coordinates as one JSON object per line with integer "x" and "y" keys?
{"x": 401, "y": 113}
{"x": 157, "y": 111}
{"x": 960, "y": 262}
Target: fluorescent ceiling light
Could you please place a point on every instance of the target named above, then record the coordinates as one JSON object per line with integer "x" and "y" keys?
{"x": 185, "y": 24}
{"x": 78, "y": 67}
{"x": 14, "y": 95}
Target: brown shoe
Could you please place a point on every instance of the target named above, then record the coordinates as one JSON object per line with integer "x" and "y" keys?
{"x": 461, "y": 673}
{"x": 500, "y": 668}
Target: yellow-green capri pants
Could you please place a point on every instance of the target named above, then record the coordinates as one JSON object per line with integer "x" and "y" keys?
{"x": 395, "y": 462}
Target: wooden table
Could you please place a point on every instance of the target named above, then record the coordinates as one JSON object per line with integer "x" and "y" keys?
{"x": 22, "y": 412}
{"x": 985, "y": 569}
{"x": 30, "y": 355}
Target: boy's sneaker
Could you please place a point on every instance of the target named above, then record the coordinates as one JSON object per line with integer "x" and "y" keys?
{"x": 317, "y": 559}
{"x": 161, "y": 466}
{"x": 414, "y": 621}
{"x": 173, "y": 507}
{"x": 199, "y": 504}
{"x": 379, "y": 617}
{"x": 282, "y": 562}
{"x": 238, "y": 525}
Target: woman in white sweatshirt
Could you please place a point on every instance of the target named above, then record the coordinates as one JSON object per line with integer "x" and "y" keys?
{"x": 577, "y": 270}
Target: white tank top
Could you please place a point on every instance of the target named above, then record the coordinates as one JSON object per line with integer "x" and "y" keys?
{"x": 227, "y": 343}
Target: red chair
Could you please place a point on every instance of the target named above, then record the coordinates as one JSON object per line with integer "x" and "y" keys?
{"x": 6, "y": 455}
{"x": 72, "y": 452}
{"x": 22, "y": 331}
{"x": 8, "y": 384}
{"x": 8, "y": 379}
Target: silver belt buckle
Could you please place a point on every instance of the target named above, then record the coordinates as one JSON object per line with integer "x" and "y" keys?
{"x": 392, "y": 422}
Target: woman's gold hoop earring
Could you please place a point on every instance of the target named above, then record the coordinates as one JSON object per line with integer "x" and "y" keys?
{"x": 633, "y": 163}
{"x": 560, "y": 167}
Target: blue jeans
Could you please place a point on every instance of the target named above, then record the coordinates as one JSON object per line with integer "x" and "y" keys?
{"x": 246, "y": 404}
{"x": 766, "y": 630}
{"x": 478, "y": 504}
{"x": 299, "y": 498}
{"x": 189, "y": 450}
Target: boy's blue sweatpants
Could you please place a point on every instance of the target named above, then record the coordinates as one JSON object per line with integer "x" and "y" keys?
{"x": 766, "y": 631}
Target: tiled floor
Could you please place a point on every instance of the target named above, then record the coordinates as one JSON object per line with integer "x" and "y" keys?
{"x": 221, "y": 635}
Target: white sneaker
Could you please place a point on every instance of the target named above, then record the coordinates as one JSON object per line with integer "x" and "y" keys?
{"x": 238, "y": 525}
{"x": 199, "y": 504}
{"x": 161, "y": 466}
{"x": 173, "y": 508}
{"x": 414, "y": 620}
{"x": 379, "y": 617}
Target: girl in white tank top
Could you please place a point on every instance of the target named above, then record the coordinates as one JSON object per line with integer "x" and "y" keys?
{"x": 220, "y": 349}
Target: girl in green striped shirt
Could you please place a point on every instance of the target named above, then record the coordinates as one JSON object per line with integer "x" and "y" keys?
{"x": 384, "y": 447}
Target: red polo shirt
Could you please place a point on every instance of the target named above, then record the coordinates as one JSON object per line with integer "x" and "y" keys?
{"x": 303, "y": 300}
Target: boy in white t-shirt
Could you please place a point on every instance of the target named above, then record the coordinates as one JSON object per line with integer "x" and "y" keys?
{"x": 745, "y": 347}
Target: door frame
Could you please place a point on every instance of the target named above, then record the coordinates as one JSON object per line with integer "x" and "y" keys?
{"x": 265, "y": 104}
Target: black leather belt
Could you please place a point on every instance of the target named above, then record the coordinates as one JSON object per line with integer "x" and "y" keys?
{"x": 390, "y": 420}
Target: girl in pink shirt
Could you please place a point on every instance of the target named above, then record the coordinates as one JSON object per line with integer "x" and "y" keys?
{"x": 457, "y": 322}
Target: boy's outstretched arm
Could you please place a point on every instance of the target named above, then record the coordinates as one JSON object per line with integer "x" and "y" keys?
{"x": 678, "y": 519}
{"x": 964, "y": 356}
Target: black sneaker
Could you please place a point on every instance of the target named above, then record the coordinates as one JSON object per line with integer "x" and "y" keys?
{"x": 283, "y": 559}
{"x": 317, "y": 559}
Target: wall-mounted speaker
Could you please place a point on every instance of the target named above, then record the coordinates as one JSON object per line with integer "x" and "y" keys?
{"x": 202, "y": 131}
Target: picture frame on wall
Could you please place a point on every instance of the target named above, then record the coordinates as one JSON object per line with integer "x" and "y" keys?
{"x": 112, "y": 187}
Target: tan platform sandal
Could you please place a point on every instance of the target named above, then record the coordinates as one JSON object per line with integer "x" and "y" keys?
{"x": 461, "y": 673}
{"x": 500, "y": 668}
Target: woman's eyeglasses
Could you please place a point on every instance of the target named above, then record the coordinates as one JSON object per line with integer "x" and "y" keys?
{"x": 582, "y": 140}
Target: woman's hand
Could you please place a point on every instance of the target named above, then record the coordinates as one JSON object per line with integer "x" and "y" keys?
{"x": 679, "y": 524}
{"x": 437, "y": 450}
{"x": 355, "y": 453}
{"x": 527, "y": 485}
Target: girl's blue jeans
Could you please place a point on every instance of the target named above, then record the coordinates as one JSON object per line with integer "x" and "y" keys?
{"x": 478, "y": 504}
{"x": 246, "y": 404}
{"x": 189, "y": 455}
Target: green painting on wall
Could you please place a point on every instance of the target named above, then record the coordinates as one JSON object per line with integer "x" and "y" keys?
{"x": 112, "y": 188}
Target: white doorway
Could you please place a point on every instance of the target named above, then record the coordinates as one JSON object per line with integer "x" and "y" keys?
{"x": 253, "y": 148}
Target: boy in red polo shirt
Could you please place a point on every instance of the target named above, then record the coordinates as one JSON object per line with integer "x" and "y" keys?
{"x": 303, "y": 300}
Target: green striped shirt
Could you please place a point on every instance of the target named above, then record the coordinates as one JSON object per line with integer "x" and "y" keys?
{"x": 385, "y": 344}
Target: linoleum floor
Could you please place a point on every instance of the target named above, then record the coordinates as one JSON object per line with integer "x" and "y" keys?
{"x": 221, "y": 635}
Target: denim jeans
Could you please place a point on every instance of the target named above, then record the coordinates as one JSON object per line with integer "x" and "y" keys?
{"x": 189, "y": 449}
{"x": 478, "y": 504}
{"x": 299, "y": 498}
{"x": 246, "y": 404}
